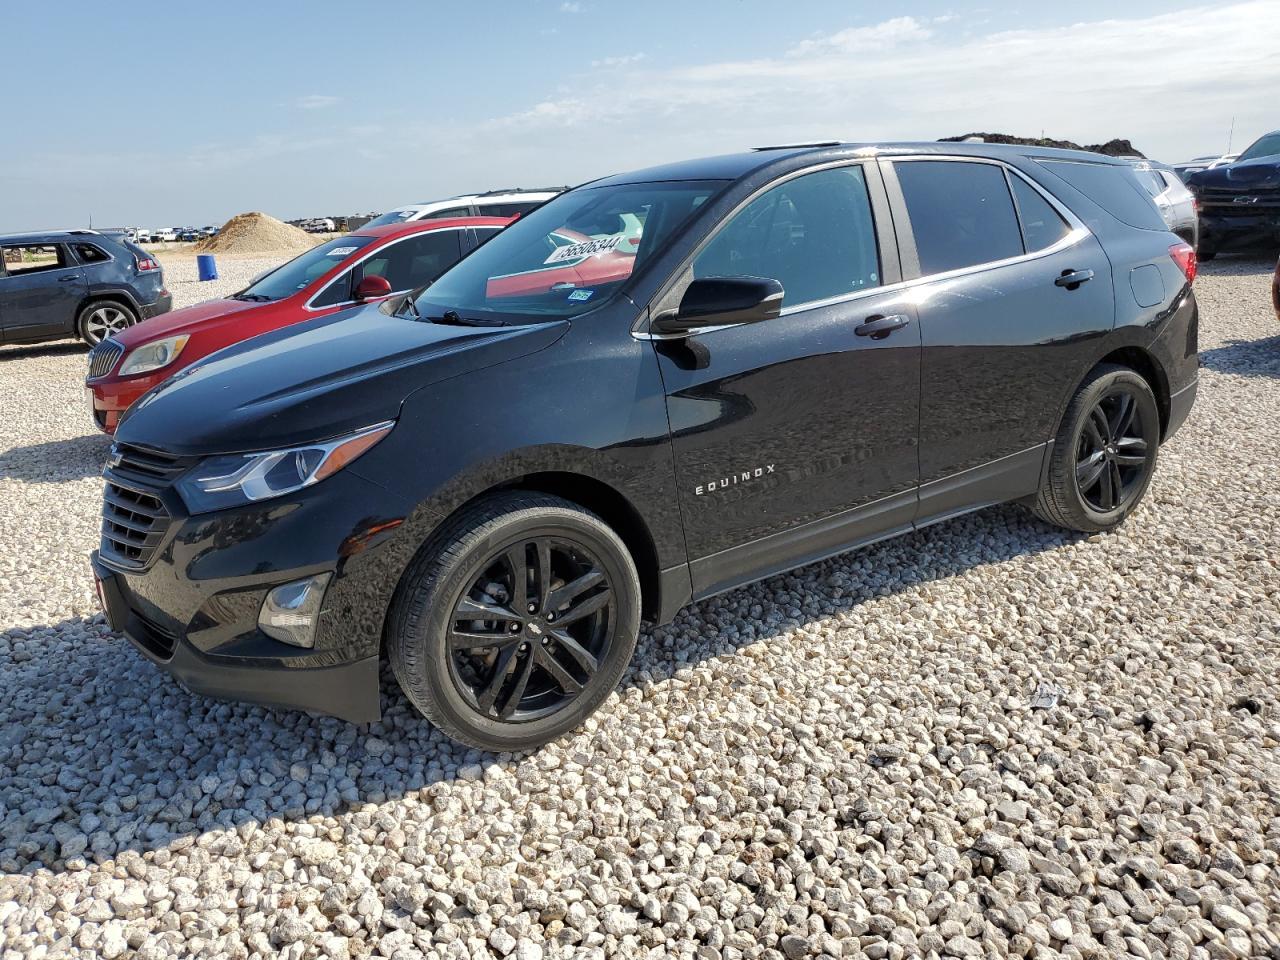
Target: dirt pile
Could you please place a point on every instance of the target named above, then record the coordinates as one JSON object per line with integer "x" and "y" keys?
{"x": 1112, "y": 148}
{"x": 257, "y": 233}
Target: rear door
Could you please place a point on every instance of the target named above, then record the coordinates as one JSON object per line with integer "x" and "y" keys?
{"x": 40, "y": 291}
{"x": 1014, "y": 295}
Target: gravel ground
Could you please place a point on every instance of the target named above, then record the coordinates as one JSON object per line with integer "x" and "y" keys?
{"x": 990, "y": 738}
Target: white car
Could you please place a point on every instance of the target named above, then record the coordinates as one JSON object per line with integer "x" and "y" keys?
{"x": 166, "y": 235}
{"x": 495, "y": 203}
{"x": 1204, "y": 163}
{"x": 1175, "y": 202}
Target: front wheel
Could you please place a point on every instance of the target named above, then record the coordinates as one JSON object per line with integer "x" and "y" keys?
{"x": 1105, "y": 453}
{"x": 516, "y": 623}
{"x": 102, "y": 319}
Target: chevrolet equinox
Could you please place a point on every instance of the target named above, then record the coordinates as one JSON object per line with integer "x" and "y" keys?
{"x": 653, "y": 388}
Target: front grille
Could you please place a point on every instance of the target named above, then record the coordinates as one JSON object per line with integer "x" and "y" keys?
{"x": 104, "y": 357}
{"x": 1239, "y": 200}
{"x": 134, "y": 518}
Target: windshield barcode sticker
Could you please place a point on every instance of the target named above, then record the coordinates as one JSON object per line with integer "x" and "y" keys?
{"x": 575, "y": 251}
{"x": 342, "y": 251}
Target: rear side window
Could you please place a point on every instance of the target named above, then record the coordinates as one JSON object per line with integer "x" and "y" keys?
{"x": 88, "y": 253}
{"x": 814, "y": 234}
{"x": 1113, "y": 187}
{"x": 511, "y": 209}
{"x": 1042, "y": 226}
{"x": 961, "y": 213}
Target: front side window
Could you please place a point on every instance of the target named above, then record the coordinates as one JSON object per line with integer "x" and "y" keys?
{"x": 569, "y": 255}
{"x": 33, "y": 257}
{"x": 413, "y": 262}
{"x": 961, "y": 213}
{"x": 1042, "y": 226}
{"x": 814, "y": 234}
{"x": 301, "y": 271}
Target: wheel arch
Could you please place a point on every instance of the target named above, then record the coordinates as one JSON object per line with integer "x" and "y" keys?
{"x": 1146, "y": 366}
{"x": 120, "y": 297}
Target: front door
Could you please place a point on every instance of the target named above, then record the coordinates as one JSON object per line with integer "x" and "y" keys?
{"x": 796, "y": 437}
{"x": 40, "y": 291}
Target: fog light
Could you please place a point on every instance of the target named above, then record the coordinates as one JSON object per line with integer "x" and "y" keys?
{"x": 290, "y": 612}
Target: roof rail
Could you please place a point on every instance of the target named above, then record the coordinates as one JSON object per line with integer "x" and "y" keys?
{"x": 494, "y": 193}
{"x": 796, "y": 146}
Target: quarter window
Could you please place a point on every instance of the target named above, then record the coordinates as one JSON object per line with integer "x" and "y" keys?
{"x": 961, "y": 213}
{"x": 88, "y": 253}
{"x": 1042, "y": 226}
{"x": 814, "y": 234}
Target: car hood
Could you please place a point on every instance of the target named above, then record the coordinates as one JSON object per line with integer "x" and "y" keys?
{"x": 316, "y": 380}
{"x": 1247, "y": 174}
{"x": 184, "y": 321}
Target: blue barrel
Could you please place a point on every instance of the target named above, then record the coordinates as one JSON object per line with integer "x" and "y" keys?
{"x": 205, "y": 266}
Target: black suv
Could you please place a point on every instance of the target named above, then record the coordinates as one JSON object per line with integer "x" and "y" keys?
{"x": 1240, "y": 201}
{"x": 651, "y": 389}
{"x": 75, "y": 283}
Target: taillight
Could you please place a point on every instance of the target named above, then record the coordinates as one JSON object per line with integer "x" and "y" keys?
{"x": 146, "y": 264}
{"x": 1184, "y": 255}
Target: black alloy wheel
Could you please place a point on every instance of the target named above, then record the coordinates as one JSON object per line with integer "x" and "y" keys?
{"x": 529, "y": 632}
{"x": 1104, "y": 454}
{"x": 515, "y": 621}
{"x": 1112, "y": 456}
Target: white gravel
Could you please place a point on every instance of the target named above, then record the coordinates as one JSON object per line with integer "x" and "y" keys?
{"x": 842, "y": 761}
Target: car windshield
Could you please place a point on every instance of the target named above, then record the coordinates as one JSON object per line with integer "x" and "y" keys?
{"x": 569, "y": 255}
{"x": 395, "y": 216}
{"x": 1268, "y": 146}
{"x": 288, "y": 279}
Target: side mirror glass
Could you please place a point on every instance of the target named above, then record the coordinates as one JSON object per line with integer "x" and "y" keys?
{"x": 717, "y": 301}
{"x": 372, "y": 288}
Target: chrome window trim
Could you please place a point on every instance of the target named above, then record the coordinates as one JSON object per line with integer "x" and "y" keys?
{"x": 1077, "y": 234}
{"x": 355, "y": 263}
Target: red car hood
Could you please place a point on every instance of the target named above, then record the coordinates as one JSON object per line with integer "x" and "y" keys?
{"x": 187, "y": 320}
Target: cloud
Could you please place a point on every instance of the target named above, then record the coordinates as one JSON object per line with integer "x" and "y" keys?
{"x": 570, "y": 6}
{"x": 316, "y": 101}
{"x": 623, "y": 61}
{"x": 923, "y": 78}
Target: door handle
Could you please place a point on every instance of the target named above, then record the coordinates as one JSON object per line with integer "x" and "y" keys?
{"x": 68, "y": 279}
{"x": 878, "y": 327}
{"x": 1073, "y": 278}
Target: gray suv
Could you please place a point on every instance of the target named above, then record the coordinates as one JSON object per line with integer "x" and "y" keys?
{"x": 75, "y": 283}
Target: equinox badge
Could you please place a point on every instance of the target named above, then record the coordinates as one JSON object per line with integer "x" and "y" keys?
{"x": 744, "y": 476}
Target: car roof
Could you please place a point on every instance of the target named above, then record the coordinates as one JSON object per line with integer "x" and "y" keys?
{"x": 388, "y": 230}
{"x": 732, "y": 166}
{"x": 491, "y": 196}
{"x": 54, "y": 236}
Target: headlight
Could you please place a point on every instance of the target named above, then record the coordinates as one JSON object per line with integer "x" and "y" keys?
{"x": 153, "y": 355}
{"x": 237, "y": 479}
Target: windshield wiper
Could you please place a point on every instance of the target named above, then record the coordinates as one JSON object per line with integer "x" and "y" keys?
{"x": 253, "y": 297}
{"x": 451, "y": 318}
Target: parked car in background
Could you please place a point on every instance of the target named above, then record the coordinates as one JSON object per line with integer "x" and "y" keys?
{"x": 495, "y": 203}
{"x": 1240, "y": 202}
{"x": 334, "y": 276}
{"x": 76, "y": 283}
{"x": 814, "y": 348}
{"x": 188, "y": 235}
{"x": 1203, "y": 163}
{"x": 1176, "y": 203}
{"x": 142, "y": 235}
{"x": 208, "y": 231}
{"x": 165, "y": 235}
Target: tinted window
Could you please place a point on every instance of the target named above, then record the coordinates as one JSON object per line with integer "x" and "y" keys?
{"x": 961, "y": 213}
{"x": 413, "y": 262}
{"x": 815, "y": 235}
{"x": 395, "y": 216}
{"x": 1042, "y": 226}
{"x": 88, "y": 253}
{"x": 1114, "y": 188}
{"x": 509, "y": 209}
{"x": 450, "y": 212}
{"x": 302, "y": 270}
{"x": 34, "y": 257}
{"x": 1268, "y": 146}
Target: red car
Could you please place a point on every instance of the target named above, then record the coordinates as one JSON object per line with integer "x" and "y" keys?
{"x": 367, "y": 265}
{"x": 570, "y": 260}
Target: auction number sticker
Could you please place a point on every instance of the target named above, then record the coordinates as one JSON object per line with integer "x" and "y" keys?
{"x": 342, "y": 251}
{"x": 576, "y": 251}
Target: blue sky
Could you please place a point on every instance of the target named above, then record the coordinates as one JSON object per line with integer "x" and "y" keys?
{"x": 187, "y": 113}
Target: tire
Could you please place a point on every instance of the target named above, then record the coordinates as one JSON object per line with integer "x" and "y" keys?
{"x": 443, "y": 662}
{"x": 100, "y": 319}
{"x": 1098, "y": 474}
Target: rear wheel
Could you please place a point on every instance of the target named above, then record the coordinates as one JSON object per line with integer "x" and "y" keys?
{"x": 102, "y": 319}
{"x": 1105, "y": 453}
{"x": 514, "y": 625}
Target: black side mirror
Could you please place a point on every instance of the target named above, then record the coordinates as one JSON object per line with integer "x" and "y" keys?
{"x": 716, "y": 301}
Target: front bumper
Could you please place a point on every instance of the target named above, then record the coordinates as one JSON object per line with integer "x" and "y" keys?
{"x": 112, "y": 396}
{"x": 192, "y": 606}
{"x": 1234, "y": 231}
